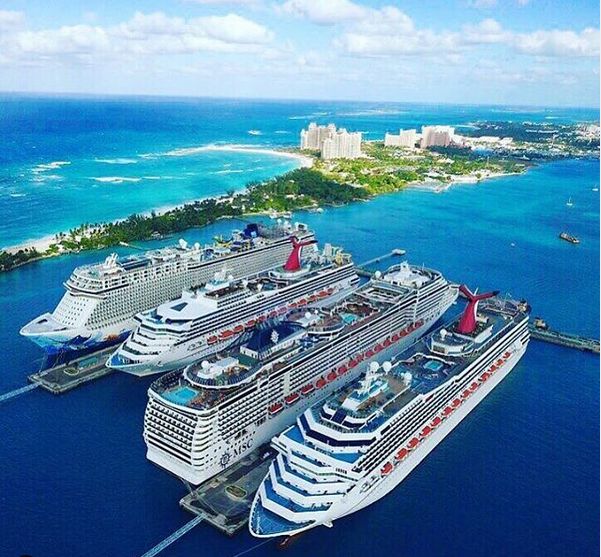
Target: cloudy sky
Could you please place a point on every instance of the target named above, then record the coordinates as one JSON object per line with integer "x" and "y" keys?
{"x": 541, "y": 52}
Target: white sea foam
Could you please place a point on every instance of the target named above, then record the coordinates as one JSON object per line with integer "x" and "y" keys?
{"x": 255, "y": 132}
{"x": 228, "y": 171}
{"x": 49, "y": 166}
{"x": 282, "y": 132}
{"x": 17, "y": 194}
{"x": 115, "y": 179}
{"x": 117, "y": 161}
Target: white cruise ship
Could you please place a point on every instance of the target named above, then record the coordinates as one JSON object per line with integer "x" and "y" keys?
{"x": 101, "y": 299}
{"x": 352, "y": 450}
{"x": 206, "y": 320}
{"x": 202, "y": 419}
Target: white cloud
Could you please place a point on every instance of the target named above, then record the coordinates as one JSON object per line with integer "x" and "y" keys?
{"x": 224, "y": 2}
{"x": 143, "y": 34}
{"x": 558, "y": 43}
{"x": 324, "y": 12}
{"x": 483, "y": 3}
{"x": 10, "y": 20}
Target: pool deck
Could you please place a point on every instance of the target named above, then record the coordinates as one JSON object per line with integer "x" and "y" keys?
{"x": 226, "y": 512}
{"x": 64, "y": 377}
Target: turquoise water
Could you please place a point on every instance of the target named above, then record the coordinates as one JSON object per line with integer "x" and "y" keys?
{"x": 66, "y": 161}
{"x": 518, "y": 477}
{"x": 181, "y": 396}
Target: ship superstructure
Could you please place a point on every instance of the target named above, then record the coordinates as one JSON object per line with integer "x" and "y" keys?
{"x": 204, "y": 418}
{"x": 206, "y": 320}
{"x": 101, "y": 299}
{"x": 350, "y": 451}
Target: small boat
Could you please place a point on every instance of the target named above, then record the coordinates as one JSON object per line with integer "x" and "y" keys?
{"x": 569, "y": 203}
{"x": 595, "y": 188}
{"x": 569, "y": 238}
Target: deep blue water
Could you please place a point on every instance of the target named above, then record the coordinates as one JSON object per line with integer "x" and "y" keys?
{"x": 519, "y": 477}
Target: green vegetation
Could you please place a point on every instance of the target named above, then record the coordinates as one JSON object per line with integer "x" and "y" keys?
{"x": 298, "y": 189}
{"x": 389, "y": 169}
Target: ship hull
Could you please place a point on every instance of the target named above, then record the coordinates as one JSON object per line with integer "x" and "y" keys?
{"x": 262, "y": 434}
{"x": 356, "y": 500}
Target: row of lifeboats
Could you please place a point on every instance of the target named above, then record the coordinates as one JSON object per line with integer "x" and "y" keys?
{"x": 403, "y": 453}
{"x": 228, "y": 333}
{"x": 334, "y": 374}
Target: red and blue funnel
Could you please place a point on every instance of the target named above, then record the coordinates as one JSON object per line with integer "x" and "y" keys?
{"x": 467, "y": 323}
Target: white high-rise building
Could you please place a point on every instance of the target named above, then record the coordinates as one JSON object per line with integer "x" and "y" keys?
{"x": 331, "y": 142}
{"x": 437, "y": 136}
{"x": 314, "y": 136}
{"x": 405, "y": 138}
{"x": 342, "y": 145}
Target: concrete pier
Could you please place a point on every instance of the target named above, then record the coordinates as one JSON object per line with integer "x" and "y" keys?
{"x": 64, "y": 377}
{"x": 224, "y": 501}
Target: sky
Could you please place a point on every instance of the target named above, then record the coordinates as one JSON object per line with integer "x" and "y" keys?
{"x": 518, "y": 52}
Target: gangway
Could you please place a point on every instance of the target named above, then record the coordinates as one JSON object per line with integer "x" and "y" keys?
{"x": 17, "y": 392}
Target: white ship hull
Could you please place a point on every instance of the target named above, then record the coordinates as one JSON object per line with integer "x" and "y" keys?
{"x": 228, "y": 454}
{"x": 360, "y": 497}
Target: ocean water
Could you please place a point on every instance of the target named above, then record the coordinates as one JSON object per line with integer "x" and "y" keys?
{"x": 65, "y": 161}
{"x": 518, "y": 477}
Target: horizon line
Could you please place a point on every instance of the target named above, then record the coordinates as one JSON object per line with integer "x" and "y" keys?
{"x": 281, "y": 99}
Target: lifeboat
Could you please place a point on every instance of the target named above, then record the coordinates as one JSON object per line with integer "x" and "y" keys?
{"x": 275, "y": 408}
{"x": 387, "y": 469}
{"x": 387, "y": 342}
{"x": 261, "y": 318}
{"x": 281, "y": 311}
{"x": 250, "y": 324}
{"x": 435, "y": 422}
{"x": 342, "y": 370}
{"x": 226, "y": 334}
{"x": 238, "y": 328}
{"x": 378, "y": 348}
{"x": 359, "y": 358}
{"x": 506, "y": 355}
{"x": 292, "y": 305}
{"x": 456, "y": 402}
{"x": 500, "y": 362}
{"x": 302, "y": 302}
{"x": 331, "y": 376}
{"x": 369, "y": 353}
{"x": 426, "y": 431}
{"x": 447, "y": 411}
{"x": 352, "y": 363}
{"x": 313, "y": 297}
{"x": 402, "y": 454}
{"x": 413, "y": 442}
{"x": 322, "y": 294}
{"x": 273, "y": 313}
{"x": 466, "y": 393}
{"x": 330, "y": 291}
{"x": 212, "y": 340}
{"x": 474, "y": 386}
{"x": 291, "y": 399}
{"x": 307, "y": 389}
{"x": 321, "y": 383}
{"x": 492, "y": 368}
{"x": 485, "y": 376}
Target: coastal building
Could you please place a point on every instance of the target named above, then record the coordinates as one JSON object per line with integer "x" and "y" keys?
{"x": 405, "y": 138}
{"x": 437, "y": 136}
{"x": 314, "y": 136}
{"x": 332, "y": 143}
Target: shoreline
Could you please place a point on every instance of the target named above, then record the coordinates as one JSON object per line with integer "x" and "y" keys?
{"x": 43, "y": 243}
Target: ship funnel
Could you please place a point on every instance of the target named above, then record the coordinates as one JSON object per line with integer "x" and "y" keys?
{"x": 293, "y": 263}
{"x": 467, "y": 323}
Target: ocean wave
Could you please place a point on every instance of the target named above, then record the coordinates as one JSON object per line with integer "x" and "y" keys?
{"x": 255, "y": 132}
{"x": 117, "y": 161}
{"x": 185, "y": 151}
{"x": 115, "y": 179}
{"x": 49, "y": 166}
{"x": 281, "y": 132}
{"x": 228, "y": 171}
{"x": 373, "y": 112}
{"x": 152, "y": 177}
{"x": 17, "y": 194}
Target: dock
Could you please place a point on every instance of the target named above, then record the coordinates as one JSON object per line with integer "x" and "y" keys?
{"x": 365, "y": 269}
{"x": 564, "y": 339}
{"x": 224, "y": 501}
{"x": 65, "y": 377}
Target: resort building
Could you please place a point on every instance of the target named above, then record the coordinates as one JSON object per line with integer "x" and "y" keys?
{"x": 437, "y": 136}
{"x": 405, "y": 138}
{"x": 331, "y": 142}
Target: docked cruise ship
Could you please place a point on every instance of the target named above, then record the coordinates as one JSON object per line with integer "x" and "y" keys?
{"x": 101, "y": 299}
{"x": 204, "y": 418}
{"x": 205, "y": 320}
{"x": 352, "y": 450}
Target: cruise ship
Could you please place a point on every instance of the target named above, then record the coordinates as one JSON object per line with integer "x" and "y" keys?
{"x": 203, "y": 321}
{"x": 204, "y": 418}
{"x": 101, "y": 299}
{"x": 353, "y": 449}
